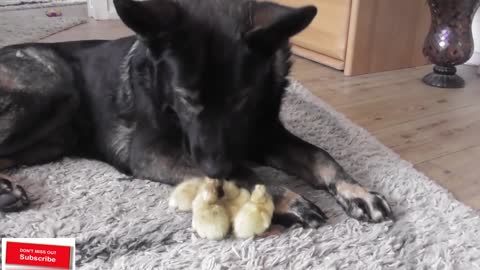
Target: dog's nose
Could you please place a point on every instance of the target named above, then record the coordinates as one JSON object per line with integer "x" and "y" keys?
{"x": 215, "y": 169}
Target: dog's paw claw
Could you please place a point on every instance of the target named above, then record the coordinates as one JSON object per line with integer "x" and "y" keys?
{"x": 300, "y": 211}
{"x": 369, "y": 207}
{"x": 12, "y": 198}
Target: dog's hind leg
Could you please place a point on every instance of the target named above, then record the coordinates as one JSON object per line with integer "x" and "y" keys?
{"x": 37, "y": 102}
{"x": 12, "y": 197}
{"x": 294, "y": 156}
{"x": 6, "y": 163}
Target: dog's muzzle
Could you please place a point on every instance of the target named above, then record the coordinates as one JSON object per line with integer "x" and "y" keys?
{"x": 216, "y": 168}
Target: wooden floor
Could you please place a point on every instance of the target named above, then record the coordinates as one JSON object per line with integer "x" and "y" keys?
{"x": 438, "y": 130}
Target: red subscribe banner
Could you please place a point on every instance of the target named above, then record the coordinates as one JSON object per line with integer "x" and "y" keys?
{"x": 38, "y": 255}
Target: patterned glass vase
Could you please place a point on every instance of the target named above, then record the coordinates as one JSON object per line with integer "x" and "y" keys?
{"x": 449, "y": 42}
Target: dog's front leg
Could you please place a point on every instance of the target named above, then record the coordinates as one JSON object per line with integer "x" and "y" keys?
{"x": 290, "y": 208}
{"x": 297, "y": 157}
{"x": 160, "y": 160}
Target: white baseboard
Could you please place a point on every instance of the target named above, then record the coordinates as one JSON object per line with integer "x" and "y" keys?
{"x": 474, "y": 60}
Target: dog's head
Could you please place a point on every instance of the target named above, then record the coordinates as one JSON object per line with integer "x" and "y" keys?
{"x": 220, "y": 66}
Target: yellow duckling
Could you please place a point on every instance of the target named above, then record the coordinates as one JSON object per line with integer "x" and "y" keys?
{"x": 255, "y": 216}
{"x": 183, "y": 194}
{"x": 234, "y": 198}
{"x": 210, "y": 219}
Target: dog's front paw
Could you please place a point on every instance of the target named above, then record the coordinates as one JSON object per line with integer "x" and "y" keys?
{"x": 362, "y": 204}
{"x": 12, "y": 198}
{"x": 292, "y": 208}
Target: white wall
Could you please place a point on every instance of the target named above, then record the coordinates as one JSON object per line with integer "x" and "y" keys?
{"x": 102, "y": 9}
{"x": 475, "y": 60}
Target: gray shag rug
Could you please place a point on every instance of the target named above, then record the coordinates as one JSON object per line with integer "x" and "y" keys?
{"x": 20, "y": 26}
{"x": 122, "y": 224}
{"x": 33, "y": 4}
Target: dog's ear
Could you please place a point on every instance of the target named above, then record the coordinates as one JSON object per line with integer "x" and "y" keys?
{"x": 149, "y": 19}
{"x": 272, "y": 24}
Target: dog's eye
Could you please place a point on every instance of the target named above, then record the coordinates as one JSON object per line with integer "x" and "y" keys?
{"x": 191, "y": 105}
{"x": 240, "y": 102}
{"x": 187, "y": 100}
{"x": 185, "y": 95}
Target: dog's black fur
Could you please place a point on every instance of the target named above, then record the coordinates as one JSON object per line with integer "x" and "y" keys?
{"x": 196, "y": 92}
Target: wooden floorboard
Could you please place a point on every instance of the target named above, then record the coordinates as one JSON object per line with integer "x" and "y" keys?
{"x": 434, "y": 136}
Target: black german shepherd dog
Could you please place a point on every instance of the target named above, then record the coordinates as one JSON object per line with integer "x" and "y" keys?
{"x": 197, "y": 91}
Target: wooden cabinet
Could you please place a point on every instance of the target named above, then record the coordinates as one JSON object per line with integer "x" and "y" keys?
{"x": 364, "y": 36}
